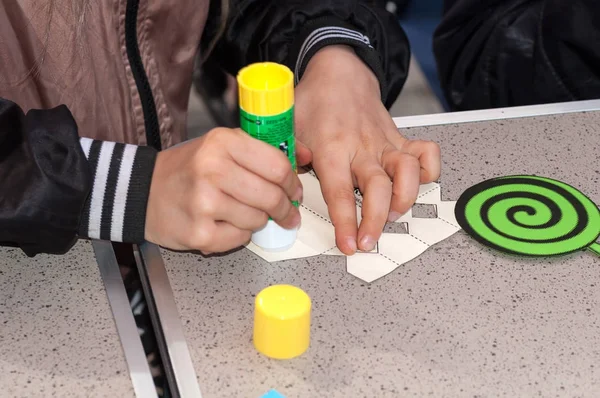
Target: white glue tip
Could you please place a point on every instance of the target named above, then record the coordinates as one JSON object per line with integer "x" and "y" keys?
{"x": 274, "y": 238}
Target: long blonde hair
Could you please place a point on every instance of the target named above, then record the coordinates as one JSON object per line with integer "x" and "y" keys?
{"x": 223, "y": 12}
{"x": 80, "y": 7}
{"x": 47, "y": 10}
{"x": 79, "y": 13}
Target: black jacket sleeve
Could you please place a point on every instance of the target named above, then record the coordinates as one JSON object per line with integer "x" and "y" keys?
{"x": 499, "y": 53}
{"x": 56, "y": 186}
{"x": 292, "y": 31}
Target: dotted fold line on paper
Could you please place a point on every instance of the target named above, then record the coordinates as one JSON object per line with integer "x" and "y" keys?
{"x": 317, "y": 214}
{"x": 428, "y": 192}
{"x": 458, "y": 228}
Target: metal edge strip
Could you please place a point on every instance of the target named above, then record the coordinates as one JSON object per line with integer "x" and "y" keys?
{"x": 172, "y": 327}
{"x": 139, "y": 370}
{"x": 438, "y": 119}
{"x": 161, "y": 343}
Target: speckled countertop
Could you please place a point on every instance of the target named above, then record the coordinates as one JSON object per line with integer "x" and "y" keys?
{"x": 57, "y": 334}
{"x": 458, "y": 321}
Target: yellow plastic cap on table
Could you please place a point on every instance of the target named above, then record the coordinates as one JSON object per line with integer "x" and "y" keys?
{"x": 282, "y": 322}
{"x": 266, "y": 88}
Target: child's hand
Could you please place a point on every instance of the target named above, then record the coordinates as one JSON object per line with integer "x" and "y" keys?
{"x": 355, "y": 143}
{"x": 210, "y": 193}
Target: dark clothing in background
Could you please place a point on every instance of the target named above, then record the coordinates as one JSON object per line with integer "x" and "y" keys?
{"x": 499, "y": 53}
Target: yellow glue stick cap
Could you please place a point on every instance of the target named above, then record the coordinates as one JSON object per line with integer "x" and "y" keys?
{"x": 282, "y": 322}
{"x": 266, "y": 88}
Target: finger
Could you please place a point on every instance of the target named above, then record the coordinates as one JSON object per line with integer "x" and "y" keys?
{"x": 228, "y": 237}
{"x": 335, "y": 177}
{"x": 303, "y": 154}
{"x": 303, "y": 170}
{"x": 266, "y": 161}
{"x": 404, "y": 170}
{"x": 239, "y": 214}
{"x": 429, "y": 156}
{"x": 254, "y": 191}
{"x": 376, "y": 187}
{"x": 392, "y": 132}
{"x": 427, "y": 152}
{"x": 218, "y": 237}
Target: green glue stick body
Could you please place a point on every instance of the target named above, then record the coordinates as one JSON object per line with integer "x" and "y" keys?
{"x": 266, "y": 97}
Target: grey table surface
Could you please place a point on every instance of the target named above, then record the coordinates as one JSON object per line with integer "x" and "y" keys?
{"x": 57, "y": 334}
{"x": 460, "y": 320}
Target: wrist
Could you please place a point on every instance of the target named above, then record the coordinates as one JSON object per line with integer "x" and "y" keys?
{"x": 327, "y": 35}
{"x": 342, "y": 61}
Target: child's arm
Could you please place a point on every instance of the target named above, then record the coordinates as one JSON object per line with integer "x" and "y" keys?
{"x": 351, "y": 58}
{"x": 56, "y": 186}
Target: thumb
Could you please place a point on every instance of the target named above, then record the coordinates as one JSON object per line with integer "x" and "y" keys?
{"x": 303, "y": 154}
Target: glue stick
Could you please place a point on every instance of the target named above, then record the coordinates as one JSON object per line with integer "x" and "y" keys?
{"x": 266, "y": 100}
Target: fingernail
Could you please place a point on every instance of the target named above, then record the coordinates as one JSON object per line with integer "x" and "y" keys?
{"x": 367, "y": 244}
{"x": 298, "y": 195}
{"x": 296, "y": 220}
{"x": 394, "y": 216}
{"x": 351, "y": 243}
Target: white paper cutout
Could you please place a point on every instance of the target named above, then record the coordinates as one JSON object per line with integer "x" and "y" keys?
{"x": 317, "y": 236}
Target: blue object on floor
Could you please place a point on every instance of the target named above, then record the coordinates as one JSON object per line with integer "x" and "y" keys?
{"x": 272, "y": 394}
{"x": 419, "y": 21}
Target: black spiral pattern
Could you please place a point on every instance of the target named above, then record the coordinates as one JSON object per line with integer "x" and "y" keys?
{"x": 529, "y": 215}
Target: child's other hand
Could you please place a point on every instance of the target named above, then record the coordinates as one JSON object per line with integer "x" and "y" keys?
{"x": 355, "y": 143}
{"x": 210, "y": 193}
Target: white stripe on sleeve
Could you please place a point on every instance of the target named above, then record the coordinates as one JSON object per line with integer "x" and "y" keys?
{"x": 323, "y": 34}
{"x": 86, "y": 145}
{"x": 99, "y": 189}
{"x": 118, "y": 215}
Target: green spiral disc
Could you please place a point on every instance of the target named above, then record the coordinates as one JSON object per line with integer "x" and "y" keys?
{"x": 529, "y": 215}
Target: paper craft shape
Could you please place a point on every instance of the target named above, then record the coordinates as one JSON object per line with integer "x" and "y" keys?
{"x": 316, "y": 235}
{"x": 530, "y": 216}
